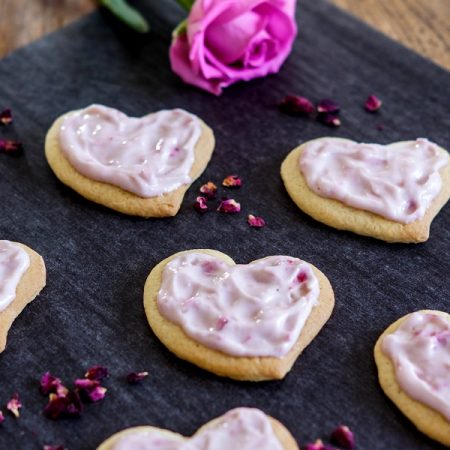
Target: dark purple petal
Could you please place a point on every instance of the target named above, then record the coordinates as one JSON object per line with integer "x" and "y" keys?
{"x": 67, "y": 406}
{"x": 10, "y": 147}
{"x": 209, "y": 189}
{"x": 96, "y": 373}
{"x": 54, "y": 447}
{"x": 329, "y": 119}
{"x": 230, "y": 206}
{"x": 90, "y": 390}
{"x": 255, "y": 222}
{"x": 373, "y": 103}
{"x": 343, "y": 437}
{"x": 232, "y": 181}
{"x": 50, "y": 384}
{"x": 6, "y": 116}
{"x": 328, "y": 106}
{"x": 318, "y": 445}
{"x": 296, "y": 105}
{"x": 200, "y": 204}
{"x": 136, "y": 377}
{"x": 2, "y": 417}
{"x": 14, "y": 404}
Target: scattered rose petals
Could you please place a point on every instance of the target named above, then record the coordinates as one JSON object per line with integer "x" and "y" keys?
{"x": 229, "y": 206}
{"x": 329, "y": 119}
{"x": 328, "y": 106}
{"x": 209, "y": 190}
{"x": 6, "y": 117}
{"x": 373, "y": 103}
{"x": 90, "y": 390}
{"x": 10, "y": 147}
{"x": 63, "y": 406}
{"x": 2, "y": 417}
{"x": 296, "y": 105}
{"x": 255, "y": 222}
{"x": 200, "y": 204}
{"x": 96, "y": 373}
{"x": 14, "y": 404}
{"x": 318, "y": 445}
{"x": 232, "y": 181}
{"x": 54, "y": 447}
{"x": 343, "y": 437}
{"x": 136, "y": 377}
{"x": 50, "y": 384}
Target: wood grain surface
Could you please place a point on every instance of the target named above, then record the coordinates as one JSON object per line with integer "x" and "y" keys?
{"x": 423, "y": 25}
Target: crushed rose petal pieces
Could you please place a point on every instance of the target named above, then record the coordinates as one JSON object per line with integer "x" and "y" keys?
{"x": 6, "y": 116}
{"x": 343, "y": 437}
{"x": 90, "y": 390}
{"x": 318, "y": 445}
{"x": 328, "y": 106}
{"x": 296, "y": 105}
{"x": 329, "y": 119}
{"x": 229, "y": 206}
{"x": 68, "y": 406}
{"x": 200, "y": 204}
{"x": 255, "y": 221}
{"x": 372, "y": 104}
{"x": 50, "y": 384}
{"x": 14, "y": 404}
{"x": 54, "y": 447}
{"x": 232, "y": 181}
{"x": 136, "y": 377}
{"x": 96, "y": 373}
{"x": 209, "y": 190}
{"x": 2, "y": 417}
{"x": 10, "y": 147}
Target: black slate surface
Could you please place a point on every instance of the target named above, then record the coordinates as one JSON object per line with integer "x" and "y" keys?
{"x": 91, "y": 310}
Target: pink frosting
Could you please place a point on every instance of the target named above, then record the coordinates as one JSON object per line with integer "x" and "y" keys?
{"x": 14, "y": 262}
{"x": 148, "y": 156}
{"x": 258, "y": 309}
{"x": 420, "y": 352}
{"x": 244, "y": 428}
{"x": 396, "y": 181}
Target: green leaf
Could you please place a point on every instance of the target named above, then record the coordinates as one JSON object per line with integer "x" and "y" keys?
{"x": 127, "y": 14}
{"x": 180, "y": 29}
{"x": 186, "y": 4}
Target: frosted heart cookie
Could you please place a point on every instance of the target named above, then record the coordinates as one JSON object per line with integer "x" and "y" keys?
{"x": 390, "y": 192}
{"x": 413, "y": 360}
{"x": 137, "y": 166}
{"x": 243, "y": 428}
{"x": 243, "y": 321}
{"x": 22, "y": 277}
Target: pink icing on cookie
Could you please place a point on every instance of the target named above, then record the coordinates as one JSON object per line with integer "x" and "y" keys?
{"x": 147, "y": 156}
{"x": 420, "y": 352}
{"x": 396, "y": 182}
{"x": 258, "y": 309}
{"x": 14, "y": 262}
{"x": 240, "y": 428}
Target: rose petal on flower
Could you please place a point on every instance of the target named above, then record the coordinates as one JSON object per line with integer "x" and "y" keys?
{"x": 136, "y": 377}
{"x": 2, "y": 417}
{"x": 329, "y": 119}
{"x": 373, "y": 103}
{"x": 232, "y": 181}
{"x": 200, "y": 204}
{"x": 96, "y": 373}
{"x": 255, "y": 221}
{"x": 14, "y": 404}
{"x": 209, "y": 189}
{"x": 296, "y": 105}
{"x": 343, "y": 437}
{"x": 229, "y": 206}
{"x": 10, "y": 147}
{"x": 6, "y": 116}
{"x": 63, "y": 406}
{"x": 328, "y": 106}
{"x": 54, "y": 447}
{"x": 50, "y": 384}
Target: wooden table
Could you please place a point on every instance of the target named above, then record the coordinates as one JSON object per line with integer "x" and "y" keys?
{"x": 423, "y": 25}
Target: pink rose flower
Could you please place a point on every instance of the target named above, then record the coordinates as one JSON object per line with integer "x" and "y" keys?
{"x": 232, "y": 40}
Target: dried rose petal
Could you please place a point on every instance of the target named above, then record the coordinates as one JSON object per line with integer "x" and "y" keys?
{"x": 14, "y": 404}
{"x": 2, "y": 417}
{"x": 328, "y": 106}
{"x": 6, "y": 117}
{"x": 232, "y": 181}
{"x": 329, "y": 119}
{"x": 255, "y": 222}
{"x": 10, "y": 147}
{"x": 209, "y": 189}
{"x": 318, "y": 445}
{"x": 90, "y": 390}
{"x": 373, "y": 103}
{"x": 229, "y": 206}
{"x": 96, "y": 373}
{"x": 343, "y": 437}
{"x": 67, "y": 406}
{"x": 296, "y": 105}
{"x": 54, "y": 447}
{"x": 200, "y": 204}
{"x": 136, "y": 377}
{"x": 50, "y": 384}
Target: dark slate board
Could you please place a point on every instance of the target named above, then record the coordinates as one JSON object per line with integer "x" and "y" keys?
{"x": 91, "y": 310}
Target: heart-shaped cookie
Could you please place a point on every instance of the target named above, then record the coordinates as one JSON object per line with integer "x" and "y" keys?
{"x": 137, "y": 166}
{"x": 243, "y": 428}
{"x": 388, "y": 192}
{"x": 22, "y": 277}
{"x": 413, "y": 360}
{"x": 247, "y": 322}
